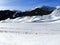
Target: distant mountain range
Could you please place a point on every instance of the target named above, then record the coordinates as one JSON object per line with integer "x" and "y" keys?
{"x": 38, "y": 11}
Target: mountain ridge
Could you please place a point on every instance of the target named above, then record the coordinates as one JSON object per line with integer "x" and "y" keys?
{"x": 39, "y": 14}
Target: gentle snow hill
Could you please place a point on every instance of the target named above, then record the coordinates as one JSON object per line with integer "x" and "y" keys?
{"x": 28, "y": 19}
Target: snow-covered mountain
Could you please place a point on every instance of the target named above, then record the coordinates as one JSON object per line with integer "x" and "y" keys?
{"x": 42, "y": 10}
{"x": 53, "y": 16}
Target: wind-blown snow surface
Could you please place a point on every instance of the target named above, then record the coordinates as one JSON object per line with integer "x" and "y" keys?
{"x": 29, "y": 39}
{"x": 29, "y": 34}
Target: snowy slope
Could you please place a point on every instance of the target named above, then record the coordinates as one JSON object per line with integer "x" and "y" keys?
{"x": 56, "y": 12}
{"x": 33, "y": 19}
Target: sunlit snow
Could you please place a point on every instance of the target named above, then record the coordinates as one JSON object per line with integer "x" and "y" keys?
{"x": 31, "y": 30}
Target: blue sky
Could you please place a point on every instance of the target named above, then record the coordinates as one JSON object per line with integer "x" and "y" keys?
{"x": 26, "y": 4}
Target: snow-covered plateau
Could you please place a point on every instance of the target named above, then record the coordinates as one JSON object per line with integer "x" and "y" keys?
{"x": 31, "y": 30}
